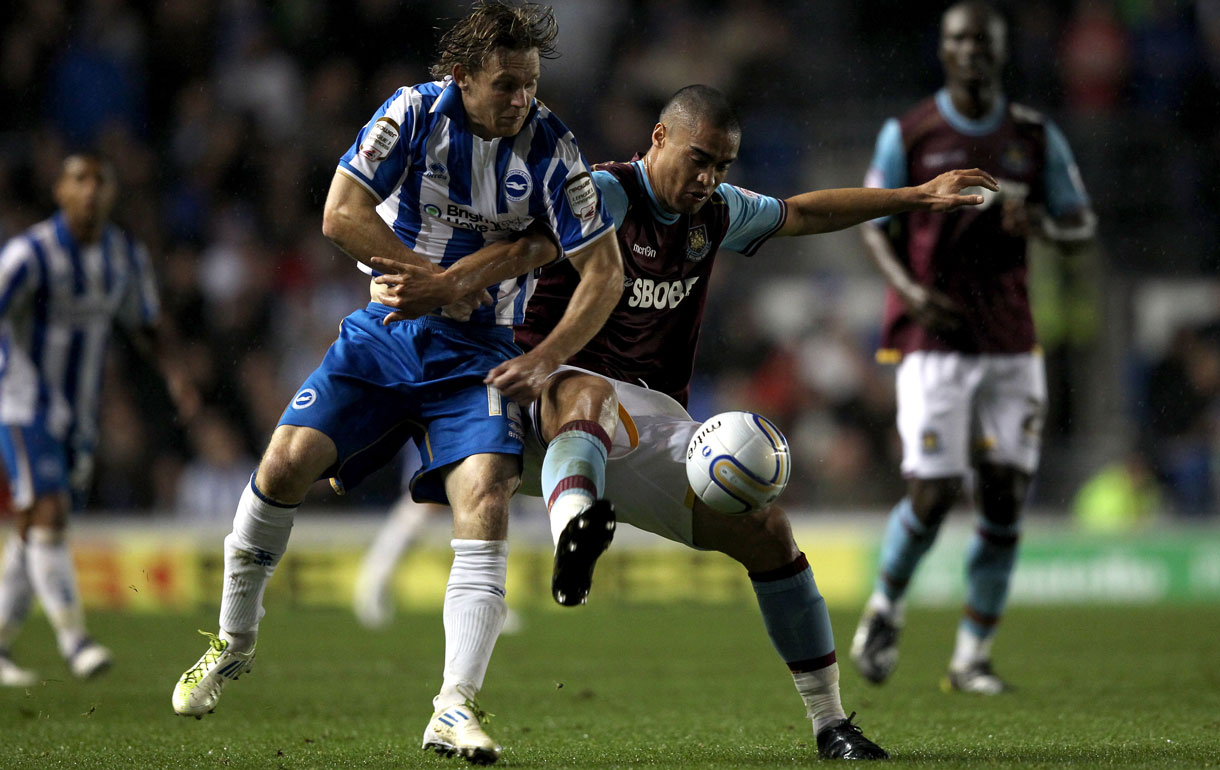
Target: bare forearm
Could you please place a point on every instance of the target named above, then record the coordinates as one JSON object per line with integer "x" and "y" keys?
{"x": 824, "y": 211}
{"x": 361, "y": 234}
{"x": 599, "y": 290}
{"x": 498, "y": 262}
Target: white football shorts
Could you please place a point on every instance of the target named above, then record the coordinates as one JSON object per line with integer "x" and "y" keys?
{"x": 955, "y": 411}
{"x": 646, "y": 470}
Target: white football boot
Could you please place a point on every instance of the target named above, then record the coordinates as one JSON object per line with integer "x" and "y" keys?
{"x": 12, "y": 675}
{"x": 458, "y": 730}
{"x": 199, "y": 688}
{"x": 89, "y": 660}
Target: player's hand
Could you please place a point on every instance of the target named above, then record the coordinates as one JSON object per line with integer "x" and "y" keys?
{"x": 522, "y": 378}
{"x": 944, "y": 193}
{"x": 465, "y": 307}
{"x": 934, "y": 310}
{"x": 412, "y": 290}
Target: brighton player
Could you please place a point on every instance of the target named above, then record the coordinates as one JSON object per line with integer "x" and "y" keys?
{"x": 444, "y": 171}
{"x": 674, "y": 213}
{"x": 63, "y": 285}
{"x": 970, "y": 381}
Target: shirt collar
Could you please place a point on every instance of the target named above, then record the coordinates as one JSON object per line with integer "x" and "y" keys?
{"x": 984, "y": 125}
{"x": 658, "y": 210}
{"x": 449, "y": 104}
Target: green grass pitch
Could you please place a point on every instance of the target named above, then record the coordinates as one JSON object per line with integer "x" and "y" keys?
{"x": 623, "y": 686}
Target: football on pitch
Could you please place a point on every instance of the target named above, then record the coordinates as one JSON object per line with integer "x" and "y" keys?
{"x": 738, "y": 462}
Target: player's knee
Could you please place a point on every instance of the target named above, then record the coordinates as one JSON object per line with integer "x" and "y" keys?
{"x": 570, "y": 396}
{"x": 294, "y": 459}
{"x": 761, "y": 541}
{"x": 1002, "y": 492}
{"x": 931, "y": 499}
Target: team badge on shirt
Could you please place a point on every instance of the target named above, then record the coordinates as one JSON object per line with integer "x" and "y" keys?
{"x": 380, "y": 139}
{"x": 1015, "y": 159}
{"x": 929, "y": 442}
{"x": 517, "y": 185}
{"x": 697, "y": 244}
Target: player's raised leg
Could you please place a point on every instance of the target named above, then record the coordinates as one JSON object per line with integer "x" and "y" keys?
{"x": 579, "y": 416}
{"x": 990, "y": 560}
{"x": 478, "y": 488}
{"x": 795, "y": 616}
{"x": 294, "y": 459}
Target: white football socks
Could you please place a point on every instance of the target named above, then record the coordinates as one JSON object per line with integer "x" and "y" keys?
{"x": 969, "y": 649}
{"x": 54, "y": 580}
{"x": 256, "y": 544}
{"x": 16, "y": 591}
{"x": 473, "y": 615}
{"x": 820, "y": 692}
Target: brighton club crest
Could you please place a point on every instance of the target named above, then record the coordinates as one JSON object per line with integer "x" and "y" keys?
{"x": 697, "y": 244}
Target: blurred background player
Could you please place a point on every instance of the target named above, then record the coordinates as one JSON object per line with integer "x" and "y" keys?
{"x": 673, "y": 213}
{"x": 443, "y": 171}
{"x": 970, "y": 381}
{"x": 63, "y": 284}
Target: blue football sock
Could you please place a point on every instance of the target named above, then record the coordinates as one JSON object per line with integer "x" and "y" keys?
{"x": 575, "y": 462}
{"x": 795, "y": 615}
{"x": 905, "y": 542}
{"x": 990, "y": 560}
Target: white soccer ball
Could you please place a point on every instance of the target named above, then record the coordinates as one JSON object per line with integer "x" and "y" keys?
{"x": 738, "y": 462}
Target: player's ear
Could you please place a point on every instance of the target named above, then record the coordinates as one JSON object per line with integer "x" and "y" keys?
{"x": 658, "y": 135}
{"x": 459, "y": 76}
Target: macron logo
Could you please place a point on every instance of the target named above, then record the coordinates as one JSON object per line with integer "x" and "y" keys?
{"x": 644, "y": 251}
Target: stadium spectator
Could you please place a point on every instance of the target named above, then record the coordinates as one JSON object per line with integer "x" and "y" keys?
{"x": 447, "y": 380}
{"x": 970, "y": 381}
{"x": 63, "y": 283}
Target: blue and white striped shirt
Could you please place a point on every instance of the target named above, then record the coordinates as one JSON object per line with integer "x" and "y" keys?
{"x": 58, "y": 300}
{"x": 447, "y": 192}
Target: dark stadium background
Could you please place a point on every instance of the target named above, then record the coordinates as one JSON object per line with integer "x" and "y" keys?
{"x": 226, "y": 120}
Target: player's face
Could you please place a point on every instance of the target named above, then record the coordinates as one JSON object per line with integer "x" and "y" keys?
{"x": 86, "y": 192}
{"x": 686, "y": 164}
{"x": 499, "y": 96}
{"x": 972, "y": 47}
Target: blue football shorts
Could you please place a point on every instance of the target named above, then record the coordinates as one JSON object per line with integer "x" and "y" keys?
{"x": 36, "y": 463}
{"x": 379, "y": 386}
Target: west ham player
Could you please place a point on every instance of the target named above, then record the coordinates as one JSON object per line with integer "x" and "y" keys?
{"x": 674, "y": 213}
{"x": 440, "y": 171}
{"x": 970, "y": 382}
{"x": 63, "y": 284}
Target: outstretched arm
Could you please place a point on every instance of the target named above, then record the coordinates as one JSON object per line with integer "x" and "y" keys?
{"x": 601, "y": 285}
{"x": 824, "y": 211}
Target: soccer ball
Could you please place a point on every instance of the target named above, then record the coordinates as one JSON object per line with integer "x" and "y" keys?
{"x": 738, "y": 462}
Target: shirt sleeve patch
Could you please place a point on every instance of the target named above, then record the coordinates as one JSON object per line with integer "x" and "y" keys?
{"x": 380, "y": 139}
{"x": 582, "y": 196}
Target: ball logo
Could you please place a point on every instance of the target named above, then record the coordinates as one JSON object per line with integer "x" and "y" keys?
{"x": 304, "y": 399}
{"x": 707, "y": 451}
{"x": 517, "y": 185}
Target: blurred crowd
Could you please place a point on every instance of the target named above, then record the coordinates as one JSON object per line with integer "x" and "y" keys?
{"x": 226, "y": 119}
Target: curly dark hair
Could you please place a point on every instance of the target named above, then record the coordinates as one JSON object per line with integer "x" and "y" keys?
{"x": 496, "y": 24}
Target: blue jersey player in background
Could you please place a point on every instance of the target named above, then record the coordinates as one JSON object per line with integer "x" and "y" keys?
{"x": 443, "y": 171}
{"x": 63, "y": 284}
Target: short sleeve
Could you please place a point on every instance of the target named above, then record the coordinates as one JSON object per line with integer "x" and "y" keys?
{"x": 19, "y": 273}
{"x": 753, "y": 218}
{"x": 1065, "y": 193}
{"x": 576, "y": 207}
{"x": 614, "y": 197}
{"x": 380, "y": 156}
{"x": 888, "y": 169}
{"x": 141, "y": 306}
